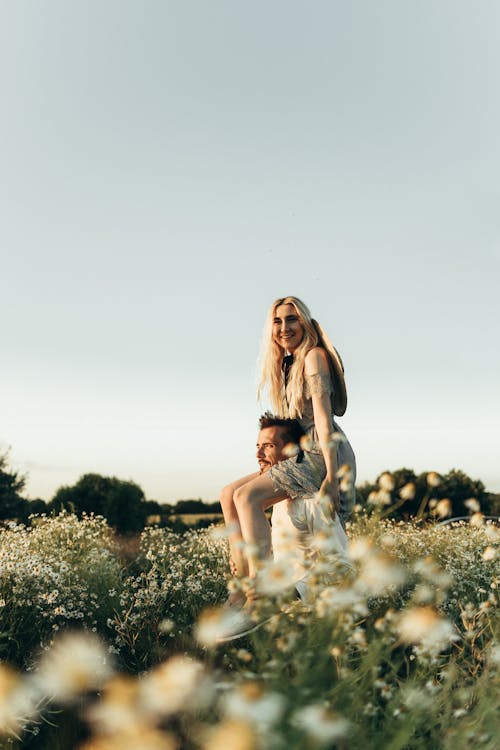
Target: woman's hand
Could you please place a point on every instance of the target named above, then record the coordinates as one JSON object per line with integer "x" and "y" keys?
{"x": 330, "y": 487}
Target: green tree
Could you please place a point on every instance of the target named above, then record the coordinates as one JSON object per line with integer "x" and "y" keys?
{"x": 195, "y": 506}
{"x": 11, "y": 484}
{"x": 121, "y": 502}
{"x": 455, "y": 486}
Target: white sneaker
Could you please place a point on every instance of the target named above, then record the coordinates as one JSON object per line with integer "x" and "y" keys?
{"x": 239, "y": 623}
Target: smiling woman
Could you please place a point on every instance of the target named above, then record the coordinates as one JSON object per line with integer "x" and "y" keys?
{"x": 305, "y": 378}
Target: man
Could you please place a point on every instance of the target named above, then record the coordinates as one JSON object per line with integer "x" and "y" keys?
{"x": 296, "y": 522}
{"x": 300, "y": 528}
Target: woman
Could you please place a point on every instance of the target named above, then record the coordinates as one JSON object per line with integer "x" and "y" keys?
{"x": 304, "y": 376}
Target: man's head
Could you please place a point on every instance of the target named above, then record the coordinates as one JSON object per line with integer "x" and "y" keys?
{"x": 274, "y": 435}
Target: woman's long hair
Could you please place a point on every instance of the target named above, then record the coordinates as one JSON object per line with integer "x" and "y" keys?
{"x": 291, "y": 403}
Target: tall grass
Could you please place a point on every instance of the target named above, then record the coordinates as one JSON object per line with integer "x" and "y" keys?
{"x": 401, "y": 652}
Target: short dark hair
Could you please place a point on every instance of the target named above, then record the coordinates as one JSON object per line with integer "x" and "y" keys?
{"x": 292, "y": 431}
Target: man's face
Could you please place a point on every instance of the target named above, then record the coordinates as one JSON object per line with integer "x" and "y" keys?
{"x": 270, "y": 445}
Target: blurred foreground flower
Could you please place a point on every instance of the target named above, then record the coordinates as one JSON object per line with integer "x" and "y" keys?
{"x": 178, "y": 684}
{"x": 305, "y": 442}
{"x": 321, "y": 724}
{"x": 423, "y": 625}
{"x": 443, "y": 508}
{"x": 472, "y": 504}
{"x": 231, "y": 734}
{"x": 379, "y": 498}
{"x": 433, "y": 479}
{"x": 118, "y": 709}
{"x": 335, "y": 599}
{"x": 428, "y": 568}
{"x": 290, "y": 450}
{"x": 16, "y": 706}
{"x": 249, "y": 702}
{"x": 386, "y": 482}
{"x": 490, "y": 553}
{"x": 477, "y": 519}
{"x": 275, "y": 577}
{"x": 407, "y": 492}
{"x": 346, "y": 478}
{"x": 379, "y": 572}
{"x": 145, "y": 739}
{"x": 76, "y": 663}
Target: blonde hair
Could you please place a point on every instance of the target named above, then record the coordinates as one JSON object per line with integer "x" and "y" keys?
{"x": 291, "y": 402}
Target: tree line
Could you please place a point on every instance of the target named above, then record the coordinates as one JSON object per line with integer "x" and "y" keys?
{"x": 401, "y": 493}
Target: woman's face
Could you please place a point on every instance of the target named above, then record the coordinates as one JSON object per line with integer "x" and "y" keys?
{"x": 288, "y": 331}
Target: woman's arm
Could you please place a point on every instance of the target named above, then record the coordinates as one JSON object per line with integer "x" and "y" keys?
{"x": 316, "y": 363}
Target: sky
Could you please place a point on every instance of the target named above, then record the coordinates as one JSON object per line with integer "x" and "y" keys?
{"x": 168, "y": 169}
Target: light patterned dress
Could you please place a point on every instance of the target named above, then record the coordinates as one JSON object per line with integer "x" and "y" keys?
{"x": 301, "y": 476}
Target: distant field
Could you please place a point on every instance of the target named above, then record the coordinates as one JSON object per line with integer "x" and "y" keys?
{"x": 190, "y": 519}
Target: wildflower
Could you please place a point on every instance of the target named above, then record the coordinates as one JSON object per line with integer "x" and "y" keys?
{"x": 370, "y": 709}
{"x": 433, "y": 479}
{"x": 407, "y": 492}
{"x": 386, "y": 482}
{"x": 358, "y": 637}
{"x": 423, "y": 594}
{"x": 344, "y": 471}
{"x": 423, "y": 625}
{"x": 494, "y": 656}
{"x": 335, "y": 439}
{"x": 249, "y": 702}
{"x": 118, "y": 708}
{"x": 178, "y": 684}
{"x": 306, "y": 442}
{"x": 360, "y": 547}
{"x": 477, "y": 519}
{"x": 16, "y": 705}
{"x": 143, "y": 738}
{"x": 430, "y": 570}
{"x": 491, "y": 532}
{"x": 290, "y": 450}
{"x": 415, "y": 699}
{"x": 233, "y": 734}
{"x": 243, "y": 655}
{"x": 443, "y": 508}
{"x": 388, "y": 540}
{"x": 380, "y": 498}
{"x": 77, "y": 662}
{"x": 334, "y": 599}
{"x": 472, "y": 504}
{"x": 275, "y": 577}
{"x": 166, "y": 626}
{"x": 321, "y": 724}
{"x": 489, "y": 553}
{"x": 222, "y": 532}
{"x": 326, "y": 542}
{"x": 378, "y": 573}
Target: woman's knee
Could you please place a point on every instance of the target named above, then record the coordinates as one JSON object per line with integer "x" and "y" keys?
{"x": 226, "y": 497}
{"x": 244, "y": 496}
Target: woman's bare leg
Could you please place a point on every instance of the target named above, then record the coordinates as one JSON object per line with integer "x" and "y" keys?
{"x": 239, "y": 565}
{"x": 250, "y": 499}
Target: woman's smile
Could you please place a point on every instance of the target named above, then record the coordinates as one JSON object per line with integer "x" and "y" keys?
{"x": 288, "y": 331}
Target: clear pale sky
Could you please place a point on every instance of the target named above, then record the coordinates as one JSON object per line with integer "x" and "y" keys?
{"x": 167, "y": 169}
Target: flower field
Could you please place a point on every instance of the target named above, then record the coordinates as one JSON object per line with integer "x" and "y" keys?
{"x": 103, "y": 649}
